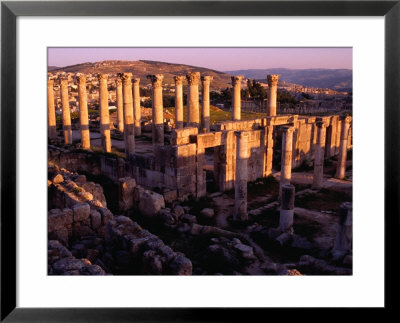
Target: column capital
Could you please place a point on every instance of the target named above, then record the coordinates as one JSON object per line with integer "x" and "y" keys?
{"x": 193, "y": 78}
{"x": 237, "y": 79}
{"x": 102, "y": 77}
{"x": 156, "y": 80}
{"x": 80, "y": 78}
{"x": 125, "y": 77}
{"x": 206, "y": 79}
{"x": 179, "y": 79}
{"x": 136, "y": 80}
{"x": 118, "y": 81}
{"x": 272, "y": 79}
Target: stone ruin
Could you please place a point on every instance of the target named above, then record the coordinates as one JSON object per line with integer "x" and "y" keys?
{"x": 85, "y": 237}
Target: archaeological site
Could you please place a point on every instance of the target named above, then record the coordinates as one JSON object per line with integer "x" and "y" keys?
{"x": 146, "y": 190}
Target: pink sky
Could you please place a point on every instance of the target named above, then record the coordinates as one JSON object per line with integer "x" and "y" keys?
{"x": 218, "y": 58}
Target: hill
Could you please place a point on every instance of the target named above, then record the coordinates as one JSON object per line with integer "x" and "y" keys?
{"x": 142, "y": 68}
{"x": 320, "y": 78}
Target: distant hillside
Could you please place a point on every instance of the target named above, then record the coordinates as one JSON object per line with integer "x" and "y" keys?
{"x": 321, "y": 78}
{"x": 143, "y": 68}
{"x": 52, "y": 68}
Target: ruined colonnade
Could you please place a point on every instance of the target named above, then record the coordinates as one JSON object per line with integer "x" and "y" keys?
{"x": 272, "y": 94}
{"x": 129, "y": 127}
{"x": 193, "y": 79}
{"x": 83, "y": 111}
{"x": 104, "y": 113}
{"x": 158, "y": 111}
{"x": 319, "y": 155}
{"x": 236, "y": 97}
{"x": 51, "y": 111}
{"x": 120, "y": 105}
{"x": 178, "y": 101}
{"x": 344, "y": 135}
{"x": 205, "y": 116}
{"x": 242, "y": 156}
{"x": 66, "y": 112}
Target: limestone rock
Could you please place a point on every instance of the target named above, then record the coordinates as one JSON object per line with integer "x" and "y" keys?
{"x": 207, "y": 213}
{"x": 95, "y": 218}
{"x": 58, "y": 179}
{"x": 56, "y": 220}
{"x": 81, "y": 211}
{"x": 126, "y": 188}
{"x": 152, "y": 263}
{"x": 180, "y": 265}
{"x": 178, "y": 211}
{"x": 150, "y": 203}
{"x": 188, "y": 218}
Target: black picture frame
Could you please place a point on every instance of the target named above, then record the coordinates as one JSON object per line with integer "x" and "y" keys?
{"x": 10, "y": 10}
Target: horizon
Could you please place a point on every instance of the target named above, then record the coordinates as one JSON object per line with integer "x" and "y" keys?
{"x": 216, "y": 58}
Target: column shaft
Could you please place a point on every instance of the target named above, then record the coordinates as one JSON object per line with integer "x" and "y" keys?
{"x": 129, "y": 127}
{"x": 286, "y": 160}
{"x": 66, "y": 112}
{"x": 178, "y": 101}
{"x": 158, "y": 113}
{"x": 83, "y": 112}
{"x": 272, "y": 94}
{"x": 104, "y": 113}
{"x": 136, "y": 106}
{"x": 319, "y": 155}
{"x": 236, "y": 97}
{"x": 287, "y": 208}
{"x": 51, "y": 111}
{"x": 344, "y": 134}
{"x": 205, "y": 116}
{"x": 193, "y": 79}
{"x": 120, "y": 105}
{"x": 241, "y": 174}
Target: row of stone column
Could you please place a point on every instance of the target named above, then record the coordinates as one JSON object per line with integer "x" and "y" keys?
{"x": 193, "y": 110}
{"x": 242, "y": 156}
{"x": 128, "y": 110}
{"x": 272, "y": 96}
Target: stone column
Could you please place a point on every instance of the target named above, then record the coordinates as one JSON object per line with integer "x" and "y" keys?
{"x": 236, "y": 98}
{"x": 66, "y": 112}
{"x": 158, "y": 113}
{"x": 129, "y": 127}
{"x": 193, "y": 119}
{"x": 205, "y": 116}
{"x": 104, "y": 113}
{"x": 137, "y": 113}
{"x": 242, "y": 156}
{"x": 319, "y": 155}
{"x": 287, "y": 208}
{"x": 344, "y": 134}
{"x": 120, "y": 105}
{"x": 344, "y": 235}
{"x": 269, "y": 150}
{"x": 272, "y": 94}
{"x": 83, "y": 111}
{"x": 286, "y": 160}
{"x": 51, "y": 111}
{"x": 178, "y": 101}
